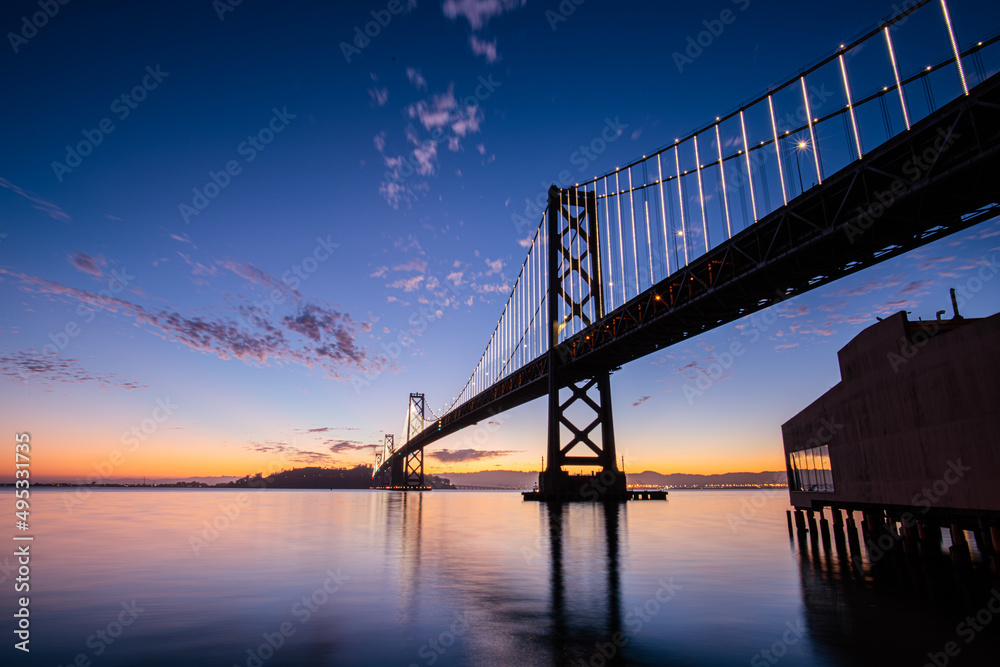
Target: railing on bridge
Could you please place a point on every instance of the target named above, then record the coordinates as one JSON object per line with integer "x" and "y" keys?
{"x": 634, "y": 227}
{"x": 659, "y": 213}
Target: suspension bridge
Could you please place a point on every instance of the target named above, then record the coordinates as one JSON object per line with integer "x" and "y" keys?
{"x": 887, "y": 144}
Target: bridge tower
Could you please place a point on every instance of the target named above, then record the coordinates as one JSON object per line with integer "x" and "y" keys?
{"x": 412, "y": 473}
{"x": 384, "y": 478}
{"x": 575, "y": 278}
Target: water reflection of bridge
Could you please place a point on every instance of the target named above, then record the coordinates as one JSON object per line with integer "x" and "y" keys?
{"x": 572, "y": 589}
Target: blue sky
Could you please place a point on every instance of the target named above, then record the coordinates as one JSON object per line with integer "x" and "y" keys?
{"x": 268, "y": 204}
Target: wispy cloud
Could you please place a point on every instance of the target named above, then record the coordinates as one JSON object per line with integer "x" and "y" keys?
{"x": 197, "y": 268}
{"x": 915, "y": 286}
{"x": 459, "y": 455}
{"x": 289, "y": 452}
{"x": 256, "y": 276}
{"x": 416, "y": 78}
{"x": 50, "y": 368}
{"x": 479, "y": 12}
{"x": 436, "y": 120}
{"x": 444, "y": 112}
{"x": 407, "y": 284}
{"x": 43, "y": 205}
{"x": 84, "y": 262}
{"x": 482, "y": 47}
{"x": 415, "y": 264}
{"x": 349, "y": 446}
{"x": 311, "y": 335}
{"x": 380, "y": 96}
{"x": 642, "y": 399}
{"x": 866, "y": 287}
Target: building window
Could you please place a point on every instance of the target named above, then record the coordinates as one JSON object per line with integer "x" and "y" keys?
{"x": 811, "y": 470}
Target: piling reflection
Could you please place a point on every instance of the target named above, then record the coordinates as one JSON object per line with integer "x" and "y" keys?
{"x": 860, "y": 590}
{"x": 575, "y": 636}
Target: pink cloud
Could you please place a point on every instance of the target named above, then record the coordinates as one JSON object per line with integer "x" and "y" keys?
{"x": 87, "y": 264}
{"x": 322, "y": 337}
{"x": 407, "y": 284}
{"x": 49, "y": 368}
{"x": 481, "y": 47}
{"x": 479, "y": 12}
{"x": 416, "y": 78}
{"x": 42, "y": 205}
{"x": 380, "y": 96}
{"x": 415, "y": 264}
{"x": 256, "y": 276}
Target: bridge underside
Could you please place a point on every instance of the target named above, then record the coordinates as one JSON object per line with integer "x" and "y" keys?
{"x": 938, "y": 178}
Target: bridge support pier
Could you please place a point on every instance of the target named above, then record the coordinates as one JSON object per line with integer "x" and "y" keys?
{"x": 396, "y": 475}
{"x": 574, "y": 255}
{"x": 411, "y": 473}
{"x": 382, "y": 477}
{"x": 401, "y": 468}
{"x": 415, "y": 469}
{"x": 555, "y": 483}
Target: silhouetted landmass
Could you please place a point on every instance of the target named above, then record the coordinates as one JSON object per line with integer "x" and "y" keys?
{"x": 315, "y": 477}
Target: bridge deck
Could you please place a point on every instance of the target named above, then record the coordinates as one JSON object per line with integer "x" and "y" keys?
{"x": 936, "y": 179}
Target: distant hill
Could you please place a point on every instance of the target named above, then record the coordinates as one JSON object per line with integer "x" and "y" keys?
{"x": 315, "y": 477}
{"x": 516, "y": 479}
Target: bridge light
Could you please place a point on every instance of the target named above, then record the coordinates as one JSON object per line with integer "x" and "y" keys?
{"x": 802, "y": 144}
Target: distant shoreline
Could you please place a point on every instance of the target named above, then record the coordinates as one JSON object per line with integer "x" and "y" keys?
{"x": 70, "y": 485}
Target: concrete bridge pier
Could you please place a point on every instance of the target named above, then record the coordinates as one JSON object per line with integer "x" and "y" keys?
{"x": 853, "y": 540}
{"x": 959, "y": 544}
{"x": 574, "y": 255}
{"x": 838, "y": 531}
{"x": 995, "y": 558}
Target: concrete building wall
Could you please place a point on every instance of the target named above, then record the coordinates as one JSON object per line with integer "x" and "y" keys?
{"x": 915, "y": 421}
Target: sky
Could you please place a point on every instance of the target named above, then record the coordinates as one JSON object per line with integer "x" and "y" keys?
{"x": 219, "y": 221}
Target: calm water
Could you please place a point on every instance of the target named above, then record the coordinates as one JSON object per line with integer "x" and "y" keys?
{"x": 133, "y": 577}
